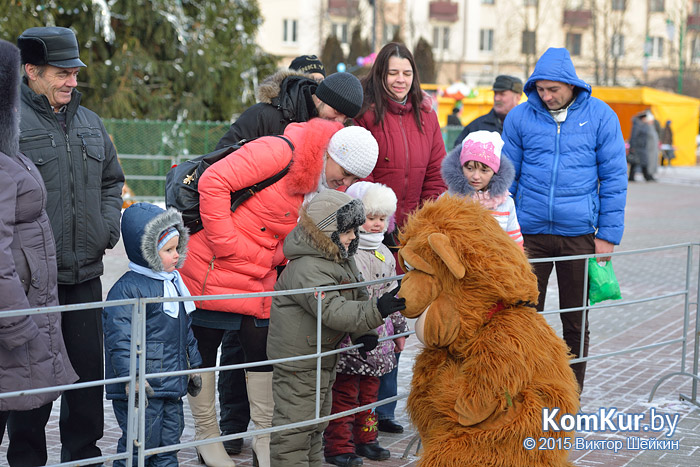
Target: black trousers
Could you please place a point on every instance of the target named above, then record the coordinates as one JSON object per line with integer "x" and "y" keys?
{"x": 26, "y": 430}
{"x": 253, "y": 341}
{"x": 570, "y": 278}
{"x": 82, "y": 413}
{"x": 233, "y": 396}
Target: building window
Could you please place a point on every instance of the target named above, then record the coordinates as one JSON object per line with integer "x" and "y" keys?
{"x": 656, "y": 6}
{"x": 573, "y": 43}
{"x": 340, "y": 31}
{"x": 619, "y": 5}
{"x": 441, "y": 37}
{"x": 390, "y": 31}
{"x": 696, "y": 8}
{"x": 486, "y": 40}
{"x": 289, "y": 31}
{"x": 574, "y": 4}
{"x": 617, "y": 45}
{"x": 528, "y": 47}
{"x": 655, "y": 47}
{"x": 530, "y": 2}
{"x": 696, "y": 50}
{"x": 488, "y": 2}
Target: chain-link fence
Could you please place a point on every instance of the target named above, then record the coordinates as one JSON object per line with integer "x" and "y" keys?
{"x": 149, "y": 148}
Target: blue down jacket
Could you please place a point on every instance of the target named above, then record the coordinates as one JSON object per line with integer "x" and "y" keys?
{"x": 570, "y": 178}
{"x": 170, "y": 344}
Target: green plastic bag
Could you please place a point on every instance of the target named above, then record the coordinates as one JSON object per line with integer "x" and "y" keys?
{"x": 602, "y": 283}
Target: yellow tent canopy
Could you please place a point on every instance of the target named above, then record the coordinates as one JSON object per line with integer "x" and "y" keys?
{"x": 683, "y": 111}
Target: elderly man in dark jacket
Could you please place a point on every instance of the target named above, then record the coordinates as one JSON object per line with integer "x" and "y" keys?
{"x": 71, "y": 148}
{"x": 507, "y": 91}
{"x": 32, "y": 351}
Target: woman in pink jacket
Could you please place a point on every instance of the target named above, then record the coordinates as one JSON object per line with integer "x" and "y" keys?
{"x": 237, "y": 252}
{"x": 411, "y": 149}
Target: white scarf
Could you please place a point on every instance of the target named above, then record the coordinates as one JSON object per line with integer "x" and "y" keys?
{"x": 173, "y": 286}
{"x": 370, "y": 241}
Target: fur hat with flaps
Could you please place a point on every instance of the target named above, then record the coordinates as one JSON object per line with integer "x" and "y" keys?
{"x": 9, "y": 98}
{"x": 146, "y": 226}
{"x": 376, "y": 198}
{"x": 329, "y": 214}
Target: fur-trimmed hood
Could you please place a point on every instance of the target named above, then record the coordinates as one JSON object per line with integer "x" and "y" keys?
{"x": 142, "y": 223}
{"x": 291, "y": 92}
{"x": 457, "y": 183}
{"x": 9, "y": 98}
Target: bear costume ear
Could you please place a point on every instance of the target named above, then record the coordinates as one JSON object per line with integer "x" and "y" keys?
{"x": 441, "y": 245}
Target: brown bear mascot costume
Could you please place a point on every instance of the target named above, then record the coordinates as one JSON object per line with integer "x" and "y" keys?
{"x": 491, "y": 363}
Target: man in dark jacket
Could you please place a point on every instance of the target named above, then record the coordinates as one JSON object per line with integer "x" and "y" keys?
{"x": 507, "y": 91}
{"x": 71, "y": 148}
{"x": 289, "y": 96}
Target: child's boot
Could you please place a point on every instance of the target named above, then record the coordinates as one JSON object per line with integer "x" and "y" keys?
{"x": 259, "y": 386}
{"x": 206, "y": 426}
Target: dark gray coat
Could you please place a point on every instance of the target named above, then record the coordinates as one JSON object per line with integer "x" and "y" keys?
{"x": 32, "y": 353}
{"x": 83, "y": 178}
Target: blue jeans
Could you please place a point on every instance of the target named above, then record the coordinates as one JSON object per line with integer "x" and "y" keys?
{"x": 388, "y": 387}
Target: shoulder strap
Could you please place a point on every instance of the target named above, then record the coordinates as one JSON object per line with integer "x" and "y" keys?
{"x": 240, "y": 196}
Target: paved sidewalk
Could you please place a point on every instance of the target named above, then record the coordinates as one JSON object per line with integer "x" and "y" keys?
{"x": 662, "y": 213}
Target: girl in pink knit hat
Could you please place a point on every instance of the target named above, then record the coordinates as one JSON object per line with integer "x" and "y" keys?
{"x": 477, "y": 170}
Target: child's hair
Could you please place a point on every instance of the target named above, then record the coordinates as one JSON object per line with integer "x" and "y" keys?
{"x": 478, "y": 165}
{"x": 376, "y": 198}
{"x": 482, "y": 146}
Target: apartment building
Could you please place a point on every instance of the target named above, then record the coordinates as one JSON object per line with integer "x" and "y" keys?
{"x": 612, "y": 42}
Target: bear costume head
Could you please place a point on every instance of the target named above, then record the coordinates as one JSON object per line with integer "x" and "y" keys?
{"x": 491, "y": 363}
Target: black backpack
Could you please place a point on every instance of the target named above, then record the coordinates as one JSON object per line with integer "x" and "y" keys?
{"x": 182, "y": 180}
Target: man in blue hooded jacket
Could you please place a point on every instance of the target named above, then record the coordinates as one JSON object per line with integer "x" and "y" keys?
{"x": 570, "y": 183}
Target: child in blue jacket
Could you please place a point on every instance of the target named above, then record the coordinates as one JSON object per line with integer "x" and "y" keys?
{"x": 155, "y": 241}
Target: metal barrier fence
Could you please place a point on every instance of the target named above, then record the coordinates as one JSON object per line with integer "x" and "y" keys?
{"x": 149, "y": 148}
{"x": 678, "y": 283}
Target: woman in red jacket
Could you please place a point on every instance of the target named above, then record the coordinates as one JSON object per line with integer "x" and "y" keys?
{"x": 237, "y": 252}
{"x": 411, "y": 149}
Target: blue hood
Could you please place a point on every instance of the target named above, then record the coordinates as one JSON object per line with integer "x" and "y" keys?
{"x": 555, "y": 65}
{"x": 142, "y": 224}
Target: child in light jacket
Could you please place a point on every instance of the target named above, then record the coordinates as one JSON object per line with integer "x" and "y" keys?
{"x": 358, "y": 372}
{"x": 155, "y": 241}
{"x": 320, "y": 250}
{"x": 477, "y": 170}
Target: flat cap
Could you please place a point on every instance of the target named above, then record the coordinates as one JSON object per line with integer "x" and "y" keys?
{"x": 508, "y": 83}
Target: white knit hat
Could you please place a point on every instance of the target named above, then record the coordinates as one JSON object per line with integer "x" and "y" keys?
{"x": 354, "y": 149}
{"x": 376, "y": 198}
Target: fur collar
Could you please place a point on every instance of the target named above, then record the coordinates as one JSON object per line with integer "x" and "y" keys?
{"x": 458, "y": 184}
{"x": 9, "y": 98}
{"x": 270, "y": 87}
{"x": 310, "y": 141}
